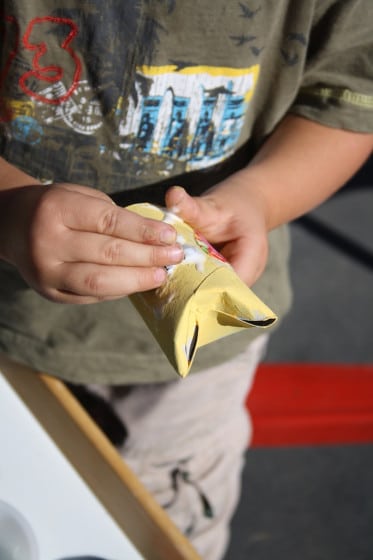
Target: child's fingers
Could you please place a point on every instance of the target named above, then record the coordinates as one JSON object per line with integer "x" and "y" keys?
{"x": 89, "y": 191}
{"x": 248, "y": 257}
{"x": 236, "y": 227}
{"x": 79, "y": 211}
{"x": 196, "y": 211}
{"x": 102, "y": 249}
{"x": 97, "y": 282}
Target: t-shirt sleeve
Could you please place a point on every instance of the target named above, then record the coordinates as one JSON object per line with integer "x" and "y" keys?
{"x": 337, "y": 87}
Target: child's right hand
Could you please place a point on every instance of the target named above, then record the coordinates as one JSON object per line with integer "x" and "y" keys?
{"x": 73, "y": 245}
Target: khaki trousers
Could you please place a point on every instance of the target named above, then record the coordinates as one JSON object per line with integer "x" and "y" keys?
{"x": 186, "y": 442}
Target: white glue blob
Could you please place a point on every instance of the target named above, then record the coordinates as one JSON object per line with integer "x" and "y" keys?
{"x": 170, "y": 218}
{"x": 192, "y": 253}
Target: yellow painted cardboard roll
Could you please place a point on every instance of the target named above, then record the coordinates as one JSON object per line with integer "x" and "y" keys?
{"x": 202, "y": 300}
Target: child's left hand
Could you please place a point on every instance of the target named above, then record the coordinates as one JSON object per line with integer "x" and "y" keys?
{"x": 232, "y": 218}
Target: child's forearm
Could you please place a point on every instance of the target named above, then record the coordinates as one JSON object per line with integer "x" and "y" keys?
{"x": 301, "y": 165}
{"x": 11, "y": 177}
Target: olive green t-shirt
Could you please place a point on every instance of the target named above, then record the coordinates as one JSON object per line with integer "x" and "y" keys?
{"x": 131, "y": 96}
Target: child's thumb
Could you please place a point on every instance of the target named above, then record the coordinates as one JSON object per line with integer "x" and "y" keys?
{"x": 184, "y": 205}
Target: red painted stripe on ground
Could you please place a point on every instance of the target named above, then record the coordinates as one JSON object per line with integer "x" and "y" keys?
{"x": 310, "y": 404}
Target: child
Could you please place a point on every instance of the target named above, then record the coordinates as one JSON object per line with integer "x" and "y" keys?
{"x": 273, "y": 102}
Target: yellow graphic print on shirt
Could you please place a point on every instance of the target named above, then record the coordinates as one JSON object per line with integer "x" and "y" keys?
{"x": 194, "y": 114}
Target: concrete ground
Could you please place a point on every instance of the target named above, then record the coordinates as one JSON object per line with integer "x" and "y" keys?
{"x": 316, "y": 502}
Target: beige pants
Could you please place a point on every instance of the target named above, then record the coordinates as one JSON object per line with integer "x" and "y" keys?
{"x": 186, "y": 442}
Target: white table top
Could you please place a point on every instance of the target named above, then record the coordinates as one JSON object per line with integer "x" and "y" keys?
{"x": 37, "y": 480}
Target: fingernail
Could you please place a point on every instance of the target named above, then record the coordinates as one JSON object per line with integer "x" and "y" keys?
{"x": 176, "y": 253}
{"x": 179, "y": 191}
{"x": 168, "y": 236}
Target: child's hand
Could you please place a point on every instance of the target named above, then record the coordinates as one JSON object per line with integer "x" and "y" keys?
{"x": 232, "y": 219}
{"x": 73, "y": 245}
{"x": 301, "y": 164}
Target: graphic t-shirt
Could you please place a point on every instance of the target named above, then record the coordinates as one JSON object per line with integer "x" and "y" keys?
{"x": 130, "y": 96}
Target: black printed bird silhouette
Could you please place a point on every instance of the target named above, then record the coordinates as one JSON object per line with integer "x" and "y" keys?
{"x": 294, "y": 36}
{"x": 290, "y": 59}
{"x": 242, "y": 39}
{"x": 181, "y": 64}
{"x": 247, "y": 12}
{"x": 256, "y": 50}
